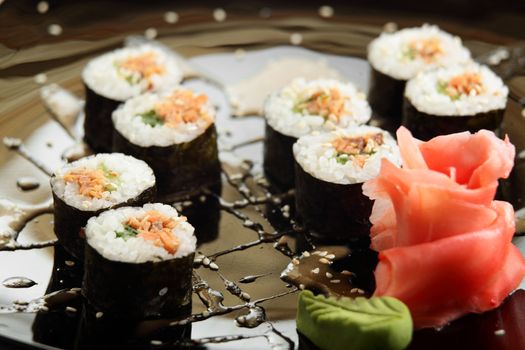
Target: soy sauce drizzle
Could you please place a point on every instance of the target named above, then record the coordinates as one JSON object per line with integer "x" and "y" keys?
{"x": 15, "y": 217}
{"x": 27, "y": 183}
{"x": 18, "y": 282}
{"x": 254, "y": 190}
{"x": 253, "y": 278}
{"x": 255, "y": 316}
{"x": 55, "y": 301}
{"x": 243, "y": 144}
{"x": 15, "y": 144}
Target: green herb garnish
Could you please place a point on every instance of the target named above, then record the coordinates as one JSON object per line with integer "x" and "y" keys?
{"x": 409, "y": 53}
{"x": 441, "y": 88}
{"x": 342, "y": 158}
{"x": 151, "y": 118}
{"x": 111, "y": 176}
{"x": 129, "y": 232}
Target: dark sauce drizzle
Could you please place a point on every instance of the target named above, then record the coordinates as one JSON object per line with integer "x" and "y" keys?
{"x": 255, "y": 192}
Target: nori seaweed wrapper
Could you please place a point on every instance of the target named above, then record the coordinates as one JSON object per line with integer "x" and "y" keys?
{"x": 180, "y": 169}
{"x": 426, "y": 126}
{"x": 98, "y": 125}
{"x": 278, "y": 159}
{"x": 68, "y": 220}
{"x": 56, "y": 327}
{"x": 204, "y": 213}
{"x": 113, "y": 332}
{"x": 331, "y": 211}
{"x": 385, "y": 96}
{"x": 137, "y": 291}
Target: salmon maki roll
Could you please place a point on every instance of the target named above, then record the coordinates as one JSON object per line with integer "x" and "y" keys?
{"x": 301, "y": 108}
{"x": 174, "y": 132}
{"x": 139, "y": 261}
{"x": 330, "y": 169}
{"x": 91, "y": 185}
{"x": 458, "y": 98}
{"x": 114, "y": 77}
{"x": 397, "y": 57}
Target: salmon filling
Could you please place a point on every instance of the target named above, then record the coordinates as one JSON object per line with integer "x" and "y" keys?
{"x": 93, "y": 183}
{"x": 463, "y": 84}
{"x": 183, "y": 106}
{"x": 154, "y": 227}
{"x": 329, "y": 105}
{"x": 427, "y": 49}
{"x": 357, "y": 148}
{"x": 142, "y": 66}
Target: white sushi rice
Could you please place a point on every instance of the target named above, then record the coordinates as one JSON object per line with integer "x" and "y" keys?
{"x": 317, "y": 156}
{"x": 280, "y": 115}
{"x": 129, "y": 124}
{"x": 100, "y": 235}
{"x": 385, "y": 53}
{"x": 423, "y": 93}
{"x": 102, "y": 76}
{"x": 134, "y": 175}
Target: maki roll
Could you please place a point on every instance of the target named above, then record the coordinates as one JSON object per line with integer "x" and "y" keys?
{"x": 90, "y": 185}
{"x": 114, "y": 77}
{"x": 138, "y": 262}
{"x": 397, "y": 57}
{"x": 301, "y": 108}
{"x": 330, "y": 170}
{"x": 458, "y": 98}
{"x": 174, "y": 133}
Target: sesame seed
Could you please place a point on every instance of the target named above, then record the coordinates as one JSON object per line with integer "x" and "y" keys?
{"x": 219, "y": 14}
{"x": 155, "y": 342}
{"x": 326, "y": 11}
{"x": 329, "y": 275}
{"x": 163, "y": 291}
{"x": 40, "y": 78}
{"x": 306, "y": 254}
{"x": 214, "y": 266}
{"x": 295, "y": 261}
{"x": 499, "y": 332}
{"x": 54, "y": 29}
{"x": 42, "y": 6}
{"x": 316, "y": 270}
{"x": 335, "y": 281}
{"x": 330, "y": 256}
{"x": 390, "y": 27}
{"x": 99, "y": 314}
{"x": 71, "y": 309}
{"x": 323, "y": 253}
{"x": 171, "y": 17}
{"x": 239, "y": 54}
{"x": 324, "y": 261}
{"x": 296, "y": 39}
{"x": 150, "y": 33}
{"x": 302, "y": 286}
{"x": 69, "y": 263}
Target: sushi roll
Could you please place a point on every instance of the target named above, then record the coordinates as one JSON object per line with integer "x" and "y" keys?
{"x": 114, "y": 77}
{"x": 138, "y": 262}
{"x": 90, "y": 185}
{"x": 397, "y": 57}
{"x": 458, "y": 98}
{"x": 174, "y": 132}
{"x": 301, "y": 108}
{"x": 330, "y": 170}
